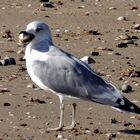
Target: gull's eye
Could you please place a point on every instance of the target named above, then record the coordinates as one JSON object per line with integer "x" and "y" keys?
{"x": 38, "y": 29}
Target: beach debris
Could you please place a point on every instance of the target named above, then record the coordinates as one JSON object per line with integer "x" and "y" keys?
{"x": 121, "y": 18}
{"x": 37, "y": 101}
{"x": 6, "y": 104}
{"x": 88, "y": 59}
{"x": 122, "y": 45}
{"x": 126, "y": 88}
{"x": 47, "y": 4}
{"x": 136, "y": 26}
{"x": 8, "y": 61}
{"x": 94, "y": 53}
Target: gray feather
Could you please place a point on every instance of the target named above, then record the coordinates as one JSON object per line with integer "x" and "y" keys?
{"x": 69, "y": 76}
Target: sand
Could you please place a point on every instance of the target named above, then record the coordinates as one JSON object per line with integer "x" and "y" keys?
{"x": 79, "y": 27}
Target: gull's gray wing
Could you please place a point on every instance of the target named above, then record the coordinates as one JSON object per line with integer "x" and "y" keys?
{"x": 68, "y": 75}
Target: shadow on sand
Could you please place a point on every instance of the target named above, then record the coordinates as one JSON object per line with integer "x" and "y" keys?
{"x": 131, "y": 131}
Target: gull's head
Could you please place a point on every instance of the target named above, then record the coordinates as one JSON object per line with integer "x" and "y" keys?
{"x": 36, "y": 31}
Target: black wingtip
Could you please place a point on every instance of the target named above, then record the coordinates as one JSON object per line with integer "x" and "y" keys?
{"x": 128, "y": 106}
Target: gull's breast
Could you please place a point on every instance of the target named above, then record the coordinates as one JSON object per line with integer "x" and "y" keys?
{"x": 31, "y": 56}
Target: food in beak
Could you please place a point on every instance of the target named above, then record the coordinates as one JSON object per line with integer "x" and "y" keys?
{"x": 25, "y": 37}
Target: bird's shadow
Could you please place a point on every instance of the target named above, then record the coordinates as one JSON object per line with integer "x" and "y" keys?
{"x": 131, "y": 131}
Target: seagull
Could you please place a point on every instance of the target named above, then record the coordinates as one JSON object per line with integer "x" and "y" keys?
{"x": 53, "y": 69}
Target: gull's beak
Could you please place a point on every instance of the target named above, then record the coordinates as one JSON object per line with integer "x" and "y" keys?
{"x": 25, "y": 37}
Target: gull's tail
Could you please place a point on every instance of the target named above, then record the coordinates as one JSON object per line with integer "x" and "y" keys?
{"x": 127, "y": 106}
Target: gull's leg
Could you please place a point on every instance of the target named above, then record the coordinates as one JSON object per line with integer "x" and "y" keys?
{"x": 61, "y": 116}
{"x": 73, "y": 117}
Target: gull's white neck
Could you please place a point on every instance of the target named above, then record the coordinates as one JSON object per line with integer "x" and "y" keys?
{"x": 37, "y": 51}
